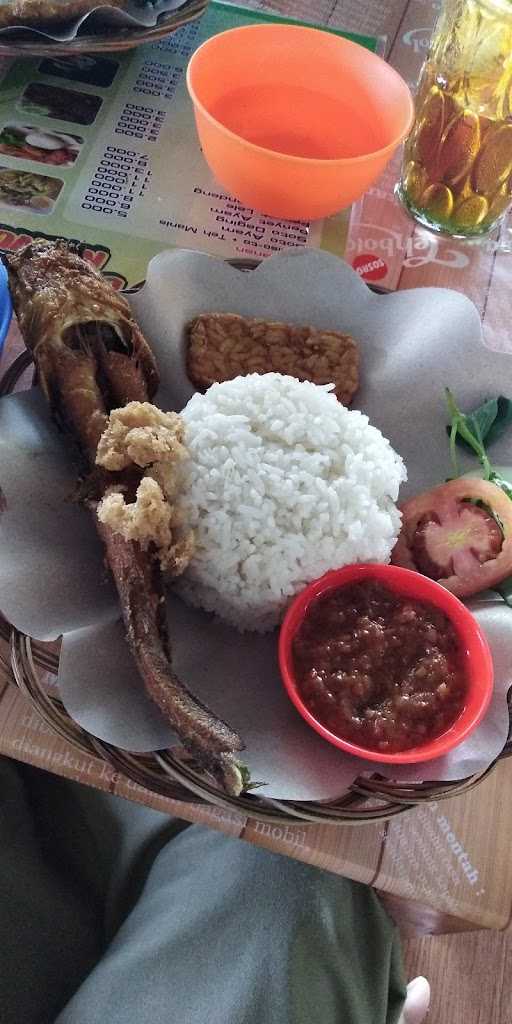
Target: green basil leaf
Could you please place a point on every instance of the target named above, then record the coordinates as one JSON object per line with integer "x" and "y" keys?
{"x": 477, "y": 424}
{"x": 487, "y": 423}
{"x": 482, "y": 419}
{"x": 502, "y": 420}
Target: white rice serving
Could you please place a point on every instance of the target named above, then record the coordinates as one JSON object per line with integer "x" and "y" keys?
{"x": 283, "y": 484}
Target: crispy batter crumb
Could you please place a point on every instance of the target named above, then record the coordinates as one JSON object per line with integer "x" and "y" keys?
{"x": 148, "y": 520}
{"x": 142, "y": 434}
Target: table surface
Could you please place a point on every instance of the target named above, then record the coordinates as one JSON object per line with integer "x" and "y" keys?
{"x": 452, "y": 855}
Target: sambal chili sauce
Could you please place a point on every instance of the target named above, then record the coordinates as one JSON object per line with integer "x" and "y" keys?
{"x": 379, "y": 669}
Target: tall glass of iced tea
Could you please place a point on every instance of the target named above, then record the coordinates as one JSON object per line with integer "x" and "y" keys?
{"x": 457, "y": 169}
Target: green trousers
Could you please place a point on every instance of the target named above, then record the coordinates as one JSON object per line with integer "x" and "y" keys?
{"x": 114, "y": 914}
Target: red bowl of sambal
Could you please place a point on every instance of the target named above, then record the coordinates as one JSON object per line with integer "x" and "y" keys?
{"x": 385, "y": 663}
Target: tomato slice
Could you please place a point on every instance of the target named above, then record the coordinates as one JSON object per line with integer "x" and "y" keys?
{"x": 460, "y": 545}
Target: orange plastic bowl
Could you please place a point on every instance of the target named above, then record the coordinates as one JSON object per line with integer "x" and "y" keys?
{"x": 476, "y": 656}
{"x": 295, "y": 122}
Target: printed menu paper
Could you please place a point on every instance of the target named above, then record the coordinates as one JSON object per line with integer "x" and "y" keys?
{"x": 103, "y": 150}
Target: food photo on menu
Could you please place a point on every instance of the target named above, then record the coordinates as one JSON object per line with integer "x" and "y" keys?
{"x": 26, "y": 189}
{"x": 86, "y": 69}
{"x": 255, "y": 503}
{"x": 59, "y": 104}
{"x": 31, "y": 143}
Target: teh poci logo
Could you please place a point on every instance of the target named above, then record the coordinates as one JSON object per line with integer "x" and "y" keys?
{"x": 370, "y": 267}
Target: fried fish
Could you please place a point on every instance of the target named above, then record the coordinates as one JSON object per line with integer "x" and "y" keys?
{"x": 92, "y": 358}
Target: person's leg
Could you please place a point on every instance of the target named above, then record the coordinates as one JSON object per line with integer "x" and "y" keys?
{"x": 71, "y": 859}
{"x": 49, "y": 928}
{"x": 225, "y": 933}
{"x": 211, "y": 929}
{"x": 107, "y": 844}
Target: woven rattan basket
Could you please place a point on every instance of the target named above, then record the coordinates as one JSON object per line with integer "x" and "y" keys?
{"x": 116, "y": 40}
{"x": 32, "y": 663}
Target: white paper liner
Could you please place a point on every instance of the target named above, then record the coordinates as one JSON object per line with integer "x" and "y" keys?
{"x": 413, "y": 345}
{"x": 110, "y": 17}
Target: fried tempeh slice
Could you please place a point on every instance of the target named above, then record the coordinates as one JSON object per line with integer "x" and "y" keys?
{"x": 91, "y": 357}
{"x": 221, "y": 346}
